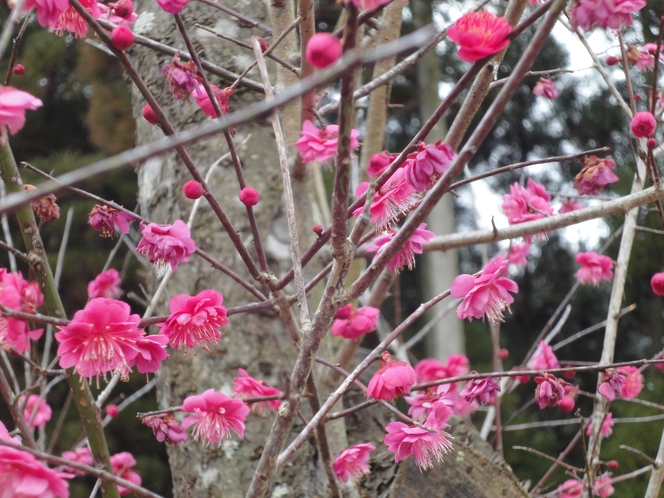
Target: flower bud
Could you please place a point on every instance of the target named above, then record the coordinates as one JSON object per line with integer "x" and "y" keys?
{"x": 149, "y": 114}
{"x": 122, "y": 37}
{"x": 323, "y": 50}
{"x": 46, "y": 207}
{"x": 612, "y": 464}
{"x": 643, "y": 124}
{"x": 318, "y": 229}
{"x": 193, "y": 190}
{"x": 657, "y": 284}
{"x": 112, "y": 411}
{"x": 18, "y": 69}
{"x": 249, "y": 196}
{"x": 264, "y": 45}
{"x": 123, "y": 8}
{"x": 612, "y": 60}
{"x": 651, "y": 143}
{"x": 503, "y": 354}
{"x": 566, "y": 404}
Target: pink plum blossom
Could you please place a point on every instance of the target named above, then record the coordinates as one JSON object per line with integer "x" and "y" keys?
{"x": 48, "y": 11}
{"x": 36, "y": 411}
{"x": 526, "y": 204}
{"x": 214, "y": 415}
{"x": 566, "y": 404}
{"x": 612, "y": 14}
{"x": 166, "y": 244}
{"x": 369, "y": 4}
{"x": 406, "y": 256}
{"x": 182, "y": 77}
{"x": 570, "y": 489}
{"x": 107, "y": 220}
{"x": 480, "y": 390}
{"x": 569, "y": 204}
{"x": 596, "y": 174}
{"x": 172, "y": 6}
{"x": 100, "y": 338}
{"x": 79, "y": 455}
{"x": 428, "y": 164}
{"x": 602, "y": 486}
{"x": 124, "y": 7}
{"x": 203, "y": 99}
{"x": 321, "y": 144}
{"x": 23, "y": 476}
{"x": 518, "y": 254}
{"x": 379, "y": 163}
{"x": 392, "y": 200}
{"x": 195, "y": 320}
{"x": 151, "y": 352}
{"x": 106, "y": 284}
{"x": 123, "y": 464}
{"x": 166, "y": 428}
{"x": 19, "y": 295}
{"x": 544, "y": 358}
{"x": 351, "y": 323}
{"x": 657, "y": 284}
{"x": 612, "y": 384}
{"x": 633, "y": 384}
{"x": 392, "y": 379}
{"x": 546, "y": 87}
{"x": 13, "y": 104}
{"x": 428, "y": 370}
{"x": 422, "y": 403}
{"x": 70, "y": 21}
{"x": 247, "y": 387}
{"x": 594, "y": 268}
{"x": 607, "y": 426}
{"x": 485, "y": 294}
{"x": 479, "y": 34}
{"x": 405, "y": 440}
{"x": 643, "y": 124}
{"x": 549, "y": 391}
{"x": 353, "y": 462}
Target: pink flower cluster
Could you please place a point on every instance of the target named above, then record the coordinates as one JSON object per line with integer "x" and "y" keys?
{"x": 353, "y": 462}
{"x": 428, "y": 164}
{"x": 203, "y": 99}
{"x": 36, "y": 411}
{"x": 13, "y": 104}
{"x": 527, "y": 204}
{"x": 321, "y": 144}
{"x": 104, "y": 337}
{"x": 19, "y": 295}
{"x": 594, "y": 268}
{"x": 480, "y": 390}
{"x": 214, "y": 415}
{"x": 107, "y": 220}
{"x": 182, "y": 77}
{"x": 248, "y": 387}
{"x": 608, "y": 14}
{"x": 429, "y": 370}
{"x": 166, "y": 244}
{"x": 406, "y": 256}
{"x": 596, "y": 174}
{"x": 106, "y": 284}
{"x": 23, "y": 476}
{"x": 546, "y": 87}
{"x": 351, "y": 323}
{"x": 479, "y": 34}
{"x": 392, "y": 200}
{"x": 166, "y": 428}
{"x": 485, "y": 294}
{"x": 550, "y": 390}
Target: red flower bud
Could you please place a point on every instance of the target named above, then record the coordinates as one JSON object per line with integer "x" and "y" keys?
{"x": 18, "y": 69}
{"x": 149, "y": 114}
{"x": 122, "y": 37}
{"x": 318, "y": 229}
{"x": 503, "y": 354}
{"x": 112, "y": 411}
{"x": 193, "y": 190}
{"x": 612, "y": 60}
{"x": 612, "y": 465}
{"x": 657, "y": 283}
{"x": 651, "y": 143}
{"x": 123, "y": 8}
{"x": 264, "y": 45}
{"x": 323, "y": 49}
{"x": 249, "y": 196}
{"x": 643, "y": 124}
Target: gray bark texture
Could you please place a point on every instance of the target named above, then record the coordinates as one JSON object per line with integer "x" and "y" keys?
{"x": 258, "y": 342}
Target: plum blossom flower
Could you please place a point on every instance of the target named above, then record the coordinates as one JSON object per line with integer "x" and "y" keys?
{"x": 566, "y": 404}
{"x": 657, "y": 284}
{"x": 518, "y": 254}
{"x": 321, "y": 144}
{"x": 428, "y": 164}
{"x": 18, "y": 294}
{"x": 182, "y": 77}
{"x": 46, "y": 207}
{"x": 485, "y": 294}
{"x": 151, "y": 352}
{"x": 369, "y": 4}
{"x": 351, "y": 323}
{"x": 164, "y": 244}
{"x": 13, "y": 104}
{"x": 602, "y": 486}
{"x": 101, "y": 338}
{"x": 392, "y": 379}
{"x": 607, "y": 426}
{"x": 480, "y": 390}
{"x": 203, "y": 99}
{"x": 323, "y": 49}
{"x": 107, "y": 220}
{"x": 549, "y": 391}
{"x": 172, "y": 6}
{"x": 546, "y": 87}
{"x": 612, "y": 384}
{"x": 106, "y": 284}
{"x": 405, "y": 440}
{"x": 353, "y": 462}
{"x": 612, "y": 14}
{"x": 594, "y": 268}
{"x": 643, "y": 124}
{"x": 79, "y": 455}
{"x": 571, "y": 488}
{"x": 633, "y": 384}
{"x": 596, "y": 174}
{"x": 248, "y": 387}
{"x": 214, "y": 415}
{"x": 195, "y": 320}
{"x": 122, "y": 12}
{"x": 428, "y": 370}
{"x": 423, "y": 402}
{"x": 166, "y": 428}
{"x": 48, "y": 11}
{"x": 37, "y": 406}
{"x": 544, "y": 358}
{"x": 526, "y": 204}
{"x": 568, "y": 205}
{"x": 394, "y": 199}
{"x": 23, "y": 476}
{"x": 379, "y": 163}
{"x": 479, "y": 34}
{"x": 123, "y": 464}
{"x": 70, "y": 20}
{"x": 406, "y": 256}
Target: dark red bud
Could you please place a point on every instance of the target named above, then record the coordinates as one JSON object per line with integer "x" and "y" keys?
{"x": 612, "y": 464}
{"x": 264, "y": 45}
{"x": 249, "y": 196}
{"x": 149, "y": 114}
{"x": 193, "y": 190}
{"x": 612, "y": 60}
{"x": 503, "y": 354}
{"x": 651, "y": 143}
{"x": 112, "y": 411}
{"x": 122, "y": 37}
{"x": 18, "y": 69}
{"x": 318, "y": 229}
